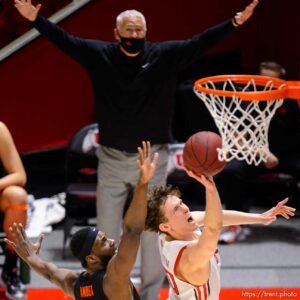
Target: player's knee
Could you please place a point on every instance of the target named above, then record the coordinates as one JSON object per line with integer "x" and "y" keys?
{"x": 14, "y": 195}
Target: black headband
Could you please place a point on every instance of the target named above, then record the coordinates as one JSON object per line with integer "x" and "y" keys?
{"x": 88, "y": 243}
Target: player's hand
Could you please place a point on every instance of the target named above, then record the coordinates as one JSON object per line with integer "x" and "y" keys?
{"x": 271, "y": 162}
{"x": 27, "y": 10}
{"x": 241, "y": 17}
{"x": 207, "y": 181}
{"x": 280, "y": 209}
{"x": 146, "y": 166}
{"x": 21, "y": 244}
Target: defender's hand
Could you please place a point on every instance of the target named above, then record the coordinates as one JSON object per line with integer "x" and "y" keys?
{"x": 20, "y": 243}
{"x": 146, "y": 166}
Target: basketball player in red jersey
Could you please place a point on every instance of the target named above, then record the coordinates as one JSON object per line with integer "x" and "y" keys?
{"x": 190, "y": 257}
{"x": 107, "y": 274}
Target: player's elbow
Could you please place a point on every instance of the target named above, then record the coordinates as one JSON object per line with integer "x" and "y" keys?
{"x": 214, "y": 228}
{"x": 134, "y": 228}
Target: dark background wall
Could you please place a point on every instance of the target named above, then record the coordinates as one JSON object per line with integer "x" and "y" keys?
{"x": 46, "y": 97}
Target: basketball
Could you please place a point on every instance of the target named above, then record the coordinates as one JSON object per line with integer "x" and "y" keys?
{"x": 200, "y": 153}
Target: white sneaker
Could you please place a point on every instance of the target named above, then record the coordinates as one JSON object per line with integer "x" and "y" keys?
{"x": 232, "y": 234}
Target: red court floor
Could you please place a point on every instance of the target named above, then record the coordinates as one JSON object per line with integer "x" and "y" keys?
{"x": 226, "y": 294}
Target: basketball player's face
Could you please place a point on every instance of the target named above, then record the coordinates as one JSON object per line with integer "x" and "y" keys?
{"x": 103, "y": 247}
{"x": 178, "y": 215}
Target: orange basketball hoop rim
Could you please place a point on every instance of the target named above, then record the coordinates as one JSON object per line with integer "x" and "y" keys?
{"x": 281, "y": 89}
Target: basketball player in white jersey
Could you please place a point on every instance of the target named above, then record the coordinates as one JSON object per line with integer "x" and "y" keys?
{"x": 190, "y": 257}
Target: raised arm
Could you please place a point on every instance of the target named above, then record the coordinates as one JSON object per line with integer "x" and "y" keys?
{"x": 134, "y": 222}
{"x": 63, "y": 278}
{"x": 187, "y": 52}
{"x": 79, "y": 49}
{"x": 27, "y": 9}
{"x": 11, "y": 160}
{"x": 194, "y": 265}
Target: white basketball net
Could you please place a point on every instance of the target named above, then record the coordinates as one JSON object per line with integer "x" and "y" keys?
{"x": 243, "y": 125}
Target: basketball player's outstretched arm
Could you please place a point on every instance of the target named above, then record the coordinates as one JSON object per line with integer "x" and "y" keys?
{"x": 28, "y": 252}
{"x": 266, "y": 218}
{"x": 194, "y": 265}
{"x": 134, "y": 222}
{"x": 233, "y": 217}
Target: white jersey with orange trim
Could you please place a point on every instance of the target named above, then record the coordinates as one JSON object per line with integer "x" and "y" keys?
{"x": 171, "y": 252}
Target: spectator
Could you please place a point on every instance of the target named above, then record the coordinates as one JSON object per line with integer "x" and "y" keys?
{"x": 13, "y": 204}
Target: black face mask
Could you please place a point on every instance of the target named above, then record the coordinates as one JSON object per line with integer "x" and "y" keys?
{"x": 132, "y": 45}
